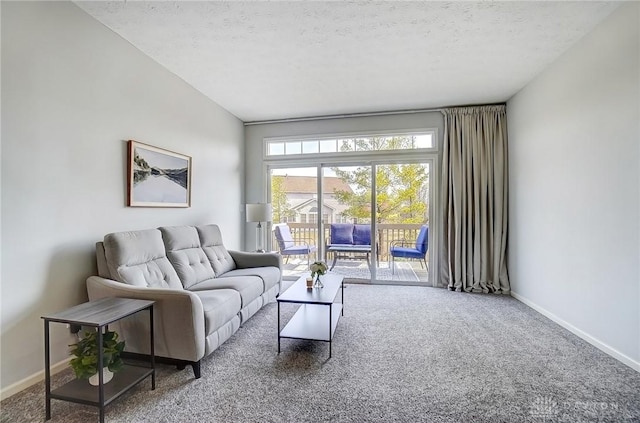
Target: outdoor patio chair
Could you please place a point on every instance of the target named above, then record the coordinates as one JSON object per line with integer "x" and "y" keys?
{"x": 287, "y": 245}
{"x": 411, "y": 250}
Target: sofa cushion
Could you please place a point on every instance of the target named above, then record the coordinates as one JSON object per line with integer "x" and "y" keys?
{"x": 249, "y": 287}
{"x": 362, "y": 235}
{"x": 341, "y": 233}
{"x": 138, "y": 258}
{"x": 211, "y": 241}
{"x": 185, "y": 254}
{"x": 270, "y": 275}
{"x": 220, "y": 306}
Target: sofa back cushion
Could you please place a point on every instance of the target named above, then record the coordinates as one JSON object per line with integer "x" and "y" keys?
{"x": 138, "y": 258}
{"x": 211, "y": 241}
{"x": 182, "y": 244}
{"x": 422, "y": 243}
{"x": 362, "y": 235}
{"x": 341, "y": 233}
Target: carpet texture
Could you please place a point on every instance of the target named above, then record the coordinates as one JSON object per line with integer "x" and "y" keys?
{"x": 400, "y": 354}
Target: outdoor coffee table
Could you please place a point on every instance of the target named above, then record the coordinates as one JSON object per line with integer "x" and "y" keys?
{"x": 343, "y": 251}
{"x": 317, "y": 318}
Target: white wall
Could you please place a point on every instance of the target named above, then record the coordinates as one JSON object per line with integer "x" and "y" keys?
{"x": 255, "y": 177}
{"x": 575, "y": 188}
{"x": 73, "y": 92}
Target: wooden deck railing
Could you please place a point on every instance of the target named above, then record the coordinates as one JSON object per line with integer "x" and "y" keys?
{"x": 386, "y": 233}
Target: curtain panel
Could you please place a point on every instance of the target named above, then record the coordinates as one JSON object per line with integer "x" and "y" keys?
{"x": 475, "y": 200}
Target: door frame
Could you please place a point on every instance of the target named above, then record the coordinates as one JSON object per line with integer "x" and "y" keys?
{"x": 372, "y": 159}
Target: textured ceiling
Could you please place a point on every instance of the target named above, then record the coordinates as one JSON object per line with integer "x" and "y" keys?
{"x": 272, "y": 60}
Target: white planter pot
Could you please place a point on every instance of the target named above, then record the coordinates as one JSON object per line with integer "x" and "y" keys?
{"x": 107, "y": 375}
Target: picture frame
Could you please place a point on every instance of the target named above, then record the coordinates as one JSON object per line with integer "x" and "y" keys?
{"x": 157, "y": 177}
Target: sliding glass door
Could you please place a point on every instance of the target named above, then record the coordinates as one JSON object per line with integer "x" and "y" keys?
{"x": 402, "y": 222}
{"x": 368, "y": 221}
{"x": 294, "y": 227}
{"x": 346, "y": 198}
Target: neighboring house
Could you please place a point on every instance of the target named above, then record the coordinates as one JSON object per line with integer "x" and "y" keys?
{"x": 301, "y": 198}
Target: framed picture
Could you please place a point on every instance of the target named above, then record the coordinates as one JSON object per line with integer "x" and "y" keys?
{"x": 157, "y": 177}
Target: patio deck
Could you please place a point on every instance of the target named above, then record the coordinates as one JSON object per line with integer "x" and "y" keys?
{"x": 354, "y": 269}
{"x": 358, "y": 271}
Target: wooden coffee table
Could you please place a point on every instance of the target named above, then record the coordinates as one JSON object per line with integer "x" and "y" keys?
{"x": 319, "y": 313}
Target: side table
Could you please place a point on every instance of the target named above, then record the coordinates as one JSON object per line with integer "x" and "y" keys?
{"x": 98, "y": 314}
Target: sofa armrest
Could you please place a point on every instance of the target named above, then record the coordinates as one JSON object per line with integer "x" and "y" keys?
{"x": 246, "y": 260}
{"x": 178, "y": 319}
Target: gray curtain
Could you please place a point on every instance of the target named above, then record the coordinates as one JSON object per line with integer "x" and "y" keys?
{"x": 475, "y": 200}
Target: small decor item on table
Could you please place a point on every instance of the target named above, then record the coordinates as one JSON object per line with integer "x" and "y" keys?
{"x": 85, "y": 362}
{"x": 309, "y": 282}
{"x": 318, "y": 268}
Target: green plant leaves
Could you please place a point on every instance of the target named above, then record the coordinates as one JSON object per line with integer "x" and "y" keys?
{"x": 85, "y": 352}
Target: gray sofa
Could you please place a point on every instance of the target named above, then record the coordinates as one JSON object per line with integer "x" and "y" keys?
{"x": 203, "y": 292}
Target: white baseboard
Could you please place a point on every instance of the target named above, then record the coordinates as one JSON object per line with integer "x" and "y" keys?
{"x": 635, "y": 365}
{"x": 32, "y": 380}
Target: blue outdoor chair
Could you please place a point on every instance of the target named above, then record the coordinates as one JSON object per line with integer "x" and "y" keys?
{"x": 288, "y": 247}
{"x": 404, "y": 249}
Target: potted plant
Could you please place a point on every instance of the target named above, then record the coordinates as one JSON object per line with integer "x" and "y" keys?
{"x": 318, "y": 268}
{"x": 85, "y": 361}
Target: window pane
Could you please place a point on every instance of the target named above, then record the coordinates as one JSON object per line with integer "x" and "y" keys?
{"x": 364, "y": 144}
{"x": 328, "y": 146}
{"x": 387, "y": 143}
{"x": 346, "y": 145}
{"x": 309, "y": 147}
{"x": 276, "y": 148}
{"x": 423, "y": 141}
{"x": 294, "y": 147}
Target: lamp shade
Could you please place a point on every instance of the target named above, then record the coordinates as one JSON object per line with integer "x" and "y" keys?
{"x": 259, "y": 212}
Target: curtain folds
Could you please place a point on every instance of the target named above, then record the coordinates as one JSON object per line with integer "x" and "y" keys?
{"x": 475, "y": 200}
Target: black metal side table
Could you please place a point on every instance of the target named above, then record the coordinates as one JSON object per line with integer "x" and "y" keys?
{"x": 98, "y": 314}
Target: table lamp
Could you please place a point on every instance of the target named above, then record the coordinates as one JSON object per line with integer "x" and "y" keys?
{"x": 259, "y": 212}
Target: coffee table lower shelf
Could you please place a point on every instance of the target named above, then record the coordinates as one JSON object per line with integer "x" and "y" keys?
{"x": 311, "y": 322}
